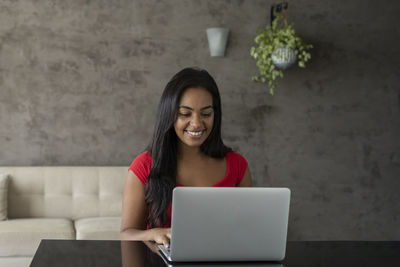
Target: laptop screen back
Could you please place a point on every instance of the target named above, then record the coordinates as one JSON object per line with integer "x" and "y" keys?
{"x": 229, "y": 224}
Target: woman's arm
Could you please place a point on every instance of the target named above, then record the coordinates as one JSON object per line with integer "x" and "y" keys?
{"x": 133, "y": 223}
{"x": 246, "y": 181}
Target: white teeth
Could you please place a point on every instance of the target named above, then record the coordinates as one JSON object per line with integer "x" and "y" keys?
{"x": 194, "y": 133}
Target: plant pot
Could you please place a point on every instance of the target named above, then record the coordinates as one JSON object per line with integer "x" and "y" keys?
{"x": 283, "y": 57}
{"x": 217, "y": 39}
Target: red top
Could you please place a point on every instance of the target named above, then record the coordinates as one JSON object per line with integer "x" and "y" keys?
{"x": 236, "y": 167}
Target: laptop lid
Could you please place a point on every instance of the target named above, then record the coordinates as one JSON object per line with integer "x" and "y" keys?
{"x": 229, "y": 224}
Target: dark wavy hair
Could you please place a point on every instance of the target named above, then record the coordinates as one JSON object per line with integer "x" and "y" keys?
{"x": 163, "y": 146}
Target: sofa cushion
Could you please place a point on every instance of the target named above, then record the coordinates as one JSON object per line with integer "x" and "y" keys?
{"x": 3, "y": 196}
{"x": 21, "y": 237}
{"x": 64, "y": 192}
{"x": 99, "y": 228}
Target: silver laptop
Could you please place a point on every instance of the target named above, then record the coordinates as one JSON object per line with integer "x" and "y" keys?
{"x": 228, "y": 224}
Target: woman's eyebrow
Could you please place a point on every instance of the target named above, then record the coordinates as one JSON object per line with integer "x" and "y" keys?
{"x": 207, "y": 107}
{"x": 203, "y": 108}
{"x": 185, "y": 107}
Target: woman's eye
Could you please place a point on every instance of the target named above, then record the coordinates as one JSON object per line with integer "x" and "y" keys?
{"x": 184, "y": 114}
{"x": 207, "y": 115}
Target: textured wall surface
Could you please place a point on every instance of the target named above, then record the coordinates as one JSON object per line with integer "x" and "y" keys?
{"x": 80, "y": 82}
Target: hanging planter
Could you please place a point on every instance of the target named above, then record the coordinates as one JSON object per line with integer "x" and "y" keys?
{"x": 283, "y": 57}
{"x": 217, "y": 39}
{"x": 278, "y": 48}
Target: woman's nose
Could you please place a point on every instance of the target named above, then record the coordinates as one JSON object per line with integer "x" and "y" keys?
{"x": 195, "y": 121}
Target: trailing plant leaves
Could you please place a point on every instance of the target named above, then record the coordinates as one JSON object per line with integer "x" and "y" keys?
{"x": 268, "y": 40}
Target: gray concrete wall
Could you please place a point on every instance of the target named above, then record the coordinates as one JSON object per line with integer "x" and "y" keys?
{"x": 80, "y": 82}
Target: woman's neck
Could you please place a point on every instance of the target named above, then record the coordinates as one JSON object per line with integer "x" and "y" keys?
{"x": 187, "y": 153}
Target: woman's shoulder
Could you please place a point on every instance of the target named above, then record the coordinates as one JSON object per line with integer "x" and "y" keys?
{"x": 235, "y": 157}
{"x": 145, "y": 156}
{"x": 141, "y": 166}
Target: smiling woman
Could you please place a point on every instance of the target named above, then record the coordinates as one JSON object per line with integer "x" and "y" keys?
{"x": 186, "y": 150}
{"x": 195, "y": 117}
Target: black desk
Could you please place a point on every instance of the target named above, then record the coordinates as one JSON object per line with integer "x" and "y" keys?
{"x": 78, "y": 253}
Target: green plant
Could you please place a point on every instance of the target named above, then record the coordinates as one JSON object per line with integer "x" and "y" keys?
{"x": 268, "y": 40}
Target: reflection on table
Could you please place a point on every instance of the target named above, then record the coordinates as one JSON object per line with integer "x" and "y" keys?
{"x": 138, "y": 254}
{"x": 76, "y": 253}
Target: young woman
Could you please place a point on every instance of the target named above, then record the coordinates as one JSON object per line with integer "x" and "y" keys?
{"x": 186, "y": 150}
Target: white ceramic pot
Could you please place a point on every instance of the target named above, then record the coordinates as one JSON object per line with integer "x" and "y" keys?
{"x": 217, "y": 39}
{"x": 283, "y": 57}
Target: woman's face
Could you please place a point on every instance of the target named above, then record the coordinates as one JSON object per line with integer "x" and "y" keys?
{"x": 195, "y": 117}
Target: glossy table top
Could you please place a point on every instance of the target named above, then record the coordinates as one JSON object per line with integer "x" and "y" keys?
{"x": 78, "y": 253}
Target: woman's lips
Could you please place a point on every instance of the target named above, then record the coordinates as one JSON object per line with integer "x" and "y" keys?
{"x": 195, "y": 134}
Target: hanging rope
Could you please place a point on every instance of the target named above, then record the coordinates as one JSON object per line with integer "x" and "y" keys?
{"x": 284, "y": 15}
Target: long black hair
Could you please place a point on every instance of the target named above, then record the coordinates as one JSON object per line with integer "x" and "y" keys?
{"x": 163, "y": 146}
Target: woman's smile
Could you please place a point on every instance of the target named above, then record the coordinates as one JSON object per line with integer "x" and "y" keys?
{"x": 195, "y": 134}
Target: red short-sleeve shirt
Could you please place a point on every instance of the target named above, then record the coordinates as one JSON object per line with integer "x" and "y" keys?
{"x": 236, "y": 167}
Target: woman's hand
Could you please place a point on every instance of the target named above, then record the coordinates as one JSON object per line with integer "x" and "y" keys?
{"x": 161, "y": 235}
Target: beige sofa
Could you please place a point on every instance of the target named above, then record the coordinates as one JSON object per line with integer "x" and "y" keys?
{"x": 57, "y": 203}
